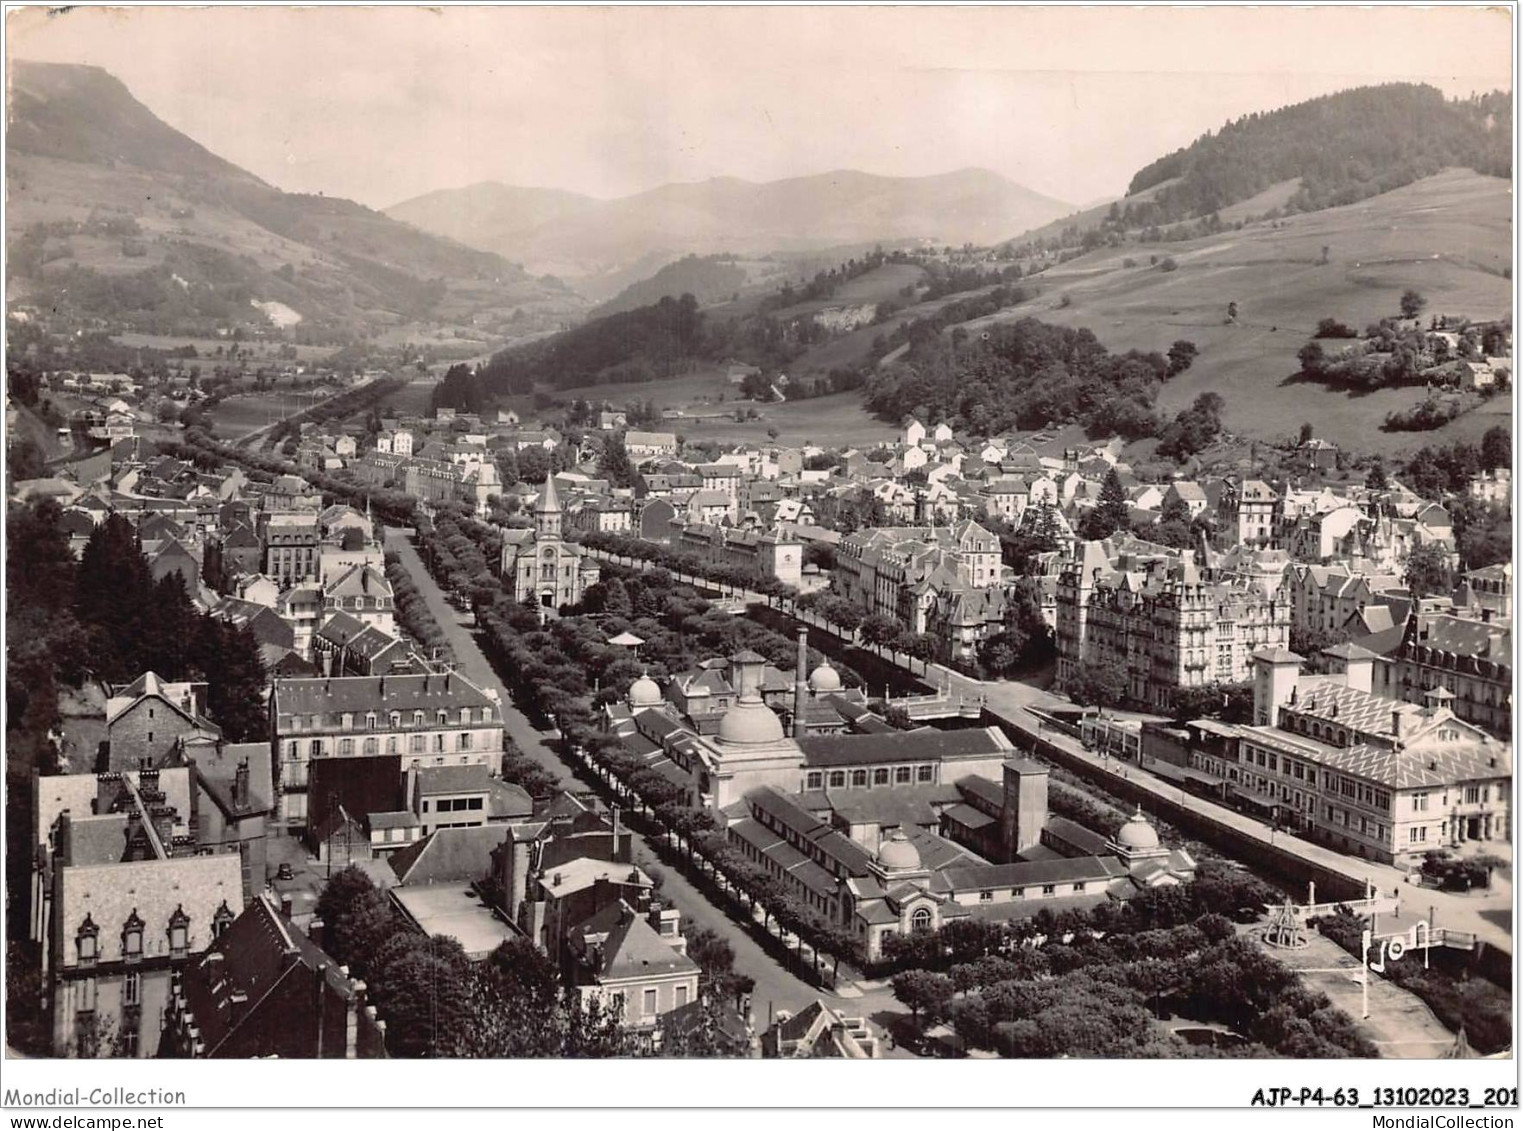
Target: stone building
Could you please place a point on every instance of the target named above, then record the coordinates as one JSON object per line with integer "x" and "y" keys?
{"x": 542, "y": 568}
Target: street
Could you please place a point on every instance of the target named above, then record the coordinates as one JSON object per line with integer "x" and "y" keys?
{"x": 776, "y": 987}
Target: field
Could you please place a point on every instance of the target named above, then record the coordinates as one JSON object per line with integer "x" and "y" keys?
{"x": 1448, "y": 237}
{"x": 246, "y": 412}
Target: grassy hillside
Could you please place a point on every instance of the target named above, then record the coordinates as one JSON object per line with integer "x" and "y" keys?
{"x": 1448, "y": 236}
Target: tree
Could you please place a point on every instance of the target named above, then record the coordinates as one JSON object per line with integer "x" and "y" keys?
{"x": 1306, "y": 434}
{"x": 1096, "y": 685}
{"x": 1376, "y": 479}
{"x": 1313, "y": 358}
{"x": 615, "y": 462}
{"x": 1412, "y": 304}
{"x": 1181, "y": 355}
{"x": 1109, "y": 513}
{"x": 924, "y": 992}
{"x": 1496, "y": 448}
{"x": 1427, "y": 572}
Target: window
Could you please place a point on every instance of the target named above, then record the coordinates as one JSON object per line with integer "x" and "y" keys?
{"x": 814, "y": 781}
{"x": 859, "y": 778}
{"x": 417, "y": 718}
{"x": 87, "y": 940}
{"x": 417, "y": 744}
{"x": 346, "y": 748}
{"x": 618, "y": 1005}
{"x": 1419, "y": 803}
{"x": 986, "y": 897}
{"x": 132, "y": 988}
{"x": 84, "y": 996}
{"x": 1079, "y": 886}
{"x": 649, "y": 1004}
{"x": 443, "y": 717}
{"x": 396, "y": 719}
{"x": 316, "y": 750}
{"x": 1017, "y": 893}
{"x": 837, "y": 779}
{"x": 370, "y": 720}
{"x": 681, "y": 996}
{"x": 1472, "y": 794}
{"x": 924, "y": 773}
{"x": 132, "y": 938}
{"x": 1415, "y": 836}
{"x": 465, "y": 741}
{"x": 880, "y": 777}
{"x": 921, "y": 919}
{"x": 1049, "y": 889}
{"x": 372, "y": 745}
{"x": 426, "y": 804}
{"x": 347, "y": 721}
{"x": 438, "y": 742}
{"x": 901, "y": 775}
{"x": 473, "y": 803}
{"x": 179, "y": 932}
{"x": 129, "y": 1039}
{"x": 391, "y": 744}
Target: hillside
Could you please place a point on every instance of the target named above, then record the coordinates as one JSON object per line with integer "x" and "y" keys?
{"x": 731, "y": 215}
{"x": 1447, "y": 236}
{"x": 114, "y": 215}
{"x": 709, "y": 279}
{"x": 1323, "y": 153}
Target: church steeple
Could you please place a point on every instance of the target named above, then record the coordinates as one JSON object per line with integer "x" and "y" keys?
{"x": 547, "y": 513}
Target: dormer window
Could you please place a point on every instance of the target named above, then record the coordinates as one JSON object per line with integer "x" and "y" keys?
{"x": 465, "y": 716}
{"x": 370, "y": 721}
{"x": 348, "y": 721}
{"x": 132, "y": 938}
{"x": 396, "y": 719}
{"x": 222, "y": 919}
{"x": 87, "y": 940}
{"x": 417, "y": 718}
{"x": 443, "y": 717}
{"x": 179, "y": 932}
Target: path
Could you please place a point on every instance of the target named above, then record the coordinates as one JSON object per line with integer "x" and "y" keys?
{"x": 776, "y": 987}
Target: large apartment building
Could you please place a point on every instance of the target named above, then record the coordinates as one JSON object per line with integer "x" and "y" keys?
{"x": 421, "y": 720}
{"x": 1156, "y": 621}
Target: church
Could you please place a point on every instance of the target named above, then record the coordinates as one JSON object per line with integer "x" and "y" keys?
{"x": 541, "y": 567}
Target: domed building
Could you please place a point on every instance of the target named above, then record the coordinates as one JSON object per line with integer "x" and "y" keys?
{"x": 824, "y": 679}
{"x": 644, "y": 692}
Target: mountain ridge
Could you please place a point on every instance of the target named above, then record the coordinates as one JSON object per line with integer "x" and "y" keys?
{"x": 115, "y": 215}
{"x": 733, "y": 215}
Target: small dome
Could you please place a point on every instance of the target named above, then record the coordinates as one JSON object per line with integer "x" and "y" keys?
{"x": 750, "y": 723}
{"x": 644, "y": 692}
{"x": 1138, "y": 833}
{"x": 898, "y": 855}
{"x": 825, "y": 678}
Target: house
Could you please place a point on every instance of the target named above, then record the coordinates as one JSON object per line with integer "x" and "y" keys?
{"x": 635, "y": 965}
{"x": 150, "y": 719}
{"x": 819, "y": 1031}
{"x": 264, "y": 989}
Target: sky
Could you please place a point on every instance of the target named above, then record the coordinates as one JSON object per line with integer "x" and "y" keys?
{"x": 383, "y": 104}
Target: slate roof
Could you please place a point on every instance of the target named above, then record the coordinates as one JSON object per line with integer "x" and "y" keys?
{"x": 358, "y": 694}
{"x": 1034, "y": 872}
{"x": 632, "y": 948}
{"x": 925, "y": 745}
{"x": 448, "y": 856}
{"x": 453, "y": 779}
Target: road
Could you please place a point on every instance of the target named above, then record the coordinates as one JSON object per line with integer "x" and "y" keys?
{"x": 776, "y": 987}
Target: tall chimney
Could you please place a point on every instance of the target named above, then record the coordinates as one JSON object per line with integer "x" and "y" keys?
{"x": 1396, "y": 722}
{"x": 241, "y": 784}
{"x": 801, "y": 686}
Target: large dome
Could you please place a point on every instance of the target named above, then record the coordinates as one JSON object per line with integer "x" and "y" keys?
{"x": 824, "y": 678}
{"x": 644, "y": 692}
{"x": 898, "y": 855}
{"x": 1138, "y": 833}
{"x": 750, "y": 724}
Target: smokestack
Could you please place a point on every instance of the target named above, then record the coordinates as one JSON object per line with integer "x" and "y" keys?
{"x": 801, "y": 686}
